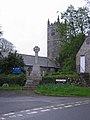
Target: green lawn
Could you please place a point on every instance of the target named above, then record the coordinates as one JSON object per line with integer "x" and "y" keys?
{"x": 11, "y": 88}
{"x": 55, "y": 89}
{"x": 63, "y": 90}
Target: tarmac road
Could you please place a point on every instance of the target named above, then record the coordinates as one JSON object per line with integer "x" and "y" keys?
{"x": 18, "y": 106}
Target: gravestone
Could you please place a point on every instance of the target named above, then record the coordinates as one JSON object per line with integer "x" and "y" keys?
{"x": 35, "y": 76}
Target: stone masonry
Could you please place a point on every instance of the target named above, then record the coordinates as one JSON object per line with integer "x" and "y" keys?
{"x": 53, "y": 40}
{"x": 84, "y": 51}
{"x": 35, "y": 76}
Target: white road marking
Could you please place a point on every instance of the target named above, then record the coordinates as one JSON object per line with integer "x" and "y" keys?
{"x": 2, "y": 118}
{"x": 77, "y": 104}
{"x": 51, "y": 106}
{"x": 12, "y": 116}
{"x": 55, "y": 108}
{"x": 8, "y": 114}
{"x": 19, "y": 115}
{"x": 60, "y": 104}
{"x": 46, "y": 107}
{"x": 45, "y": 110}
{"x": 32, "y": 112}
{"x": 38, "y": 108}
{"x": 27, "y": 110}
{"x": 60, "y": 107}
{"x": 22, "y": 111}
{"x": 67, "y": 106}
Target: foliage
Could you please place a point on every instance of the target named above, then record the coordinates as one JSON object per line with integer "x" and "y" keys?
{"x": 6, "y": 46}
{"x": 11, "y": 87}
{"x": 1, "y": 33}
{"x": 76, "y": 21}
{"x": 88, "y": 3}
{"x": 12, "y": 79}
{"x": 13, "y": 60}
{"x": 72, "y": 30}
{"x": 68, "y": 53}
{"x": 51, "y": 78}
{"x": 63, "y": 90}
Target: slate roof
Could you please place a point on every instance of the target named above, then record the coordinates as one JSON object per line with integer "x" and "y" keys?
{"x": 29, "y": 60}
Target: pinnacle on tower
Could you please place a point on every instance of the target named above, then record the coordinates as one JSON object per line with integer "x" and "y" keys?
{"x": 58, "y": 19}
{"x": 48, "y": 22}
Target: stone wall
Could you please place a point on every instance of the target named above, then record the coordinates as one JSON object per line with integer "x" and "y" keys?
{"x": 85, "y": 79}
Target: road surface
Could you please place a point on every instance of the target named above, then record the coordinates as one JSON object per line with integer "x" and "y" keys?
{"x": 15, "y": 106}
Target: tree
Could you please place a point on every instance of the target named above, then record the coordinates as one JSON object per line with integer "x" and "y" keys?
{"x": 76, "y": 21}
{"x": 68, "y": 53}
{"x": 72, "y": 30}
{"x": 13, "y": 60}
{"x": 0, "y": 37}
{"x": 5, "y": 45}
{"x": 88, "y": 2}
{"x": 1, "y": 33}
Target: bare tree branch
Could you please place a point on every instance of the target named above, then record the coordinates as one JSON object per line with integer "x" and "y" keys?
{"x": 5, "y": 45}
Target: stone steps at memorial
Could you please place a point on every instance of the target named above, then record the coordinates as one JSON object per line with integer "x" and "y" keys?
{"x": 30, "y": 87}
{"x": 31, "y": 84}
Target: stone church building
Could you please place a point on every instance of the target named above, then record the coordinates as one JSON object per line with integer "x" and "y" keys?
{"x": 48, "y": 63}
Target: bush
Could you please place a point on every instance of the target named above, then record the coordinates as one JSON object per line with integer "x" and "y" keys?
{"x": 51, "y": 78}
{"x": 12, "y": 79}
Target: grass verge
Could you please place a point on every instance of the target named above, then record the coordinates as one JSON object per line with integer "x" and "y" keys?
{"x": 63, "y": 90}
{"x": 11, "y": 88}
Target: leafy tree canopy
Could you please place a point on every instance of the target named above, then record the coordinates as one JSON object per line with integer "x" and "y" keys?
{"x": 13, "y": 60}
{"x": 72, "y": 29}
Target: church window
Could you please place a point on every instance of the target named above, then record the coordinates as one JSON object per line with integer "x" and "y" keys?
{"x": 52, "y": 32}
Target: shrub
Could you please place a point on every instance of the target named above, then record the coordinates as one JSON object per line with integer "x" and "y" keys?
{"x": 51, "y": 78}
{"x": 12, "y": 79}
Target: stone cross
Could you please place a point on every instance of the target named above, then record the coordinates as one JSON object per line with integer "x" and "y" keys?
{"x": 36, "y": 49}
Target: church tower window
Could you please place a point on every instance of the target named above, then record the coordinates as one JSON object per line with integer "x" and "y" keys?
{"x": 52, "y": 32}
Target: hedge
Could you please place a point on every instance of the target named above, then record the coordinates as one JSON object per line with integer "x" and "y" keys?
{"x": 51, "y": 78}
{"x": 12, "y": 79}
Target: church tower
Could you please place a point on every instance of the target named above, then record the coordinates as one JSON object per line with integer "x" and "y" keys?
{"x": 53, "y": 40}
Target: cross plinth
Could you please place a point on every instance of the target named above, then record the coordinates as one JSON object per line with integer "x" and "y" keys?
{"x": 36, "y": 49}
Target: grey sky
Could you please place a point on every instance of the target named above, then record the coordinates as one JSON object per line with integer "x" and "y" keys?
{"x": 24, "y": 22}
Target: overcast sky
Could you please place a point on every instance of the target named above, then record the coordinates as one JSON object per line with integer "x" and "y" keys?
{"x": 24, "y": 22}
